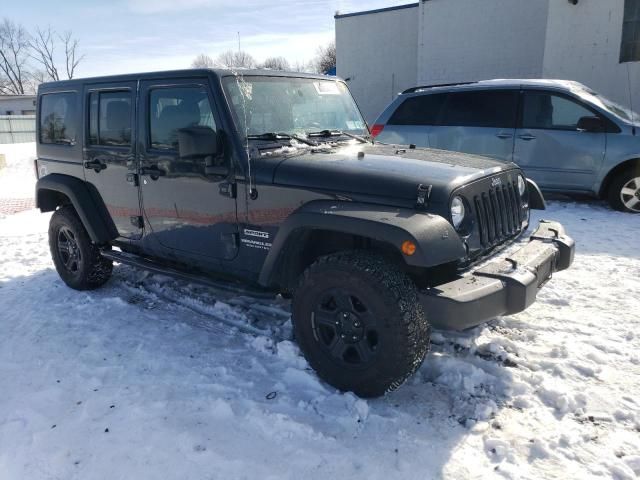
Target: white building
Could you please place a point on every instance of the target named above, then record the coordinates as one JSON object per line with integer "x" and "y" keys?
{"x": 17, "y": 104}
{"x": 596, "y": 42}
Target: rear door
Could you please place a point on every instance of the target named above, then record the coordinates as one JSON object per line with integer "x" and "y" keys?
{"x": 550, "y": 147}
{"x": 109, "y": 154}
{"x": 191, "y": 213}
{"x": 482, "y": 122}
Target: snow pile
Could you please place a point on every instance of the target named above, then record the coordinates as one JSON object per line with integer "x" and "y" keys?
{"x": 153, "y": 378}
{"x": 17, "y": 179}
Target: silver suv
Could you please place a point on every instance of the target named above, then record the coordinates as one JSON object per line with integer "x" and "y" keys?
{"x": 565, "y": 136}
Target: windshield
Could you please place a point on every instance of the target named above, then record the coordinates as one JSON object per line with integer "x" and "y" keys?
{"x": 609, "y": 105}
{"x": 298, "y": 106}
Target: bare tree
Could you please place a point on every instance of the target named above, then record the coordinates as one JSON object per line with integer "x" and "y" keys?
{"x": 304, "y": 67}
{"x": 43, "y": 46}
{"x": 325, "y": 58}
{"x": 233, "y": 59}
{"x": 36, "y": 77}
{"x": 43, "y": 50}
{"x": 14, "y": 54}
{"x": 203, "y": 61}
{"x": 4, "y": 86}
{"x": 276, "y": 63}
{"x": 71, "y": 53}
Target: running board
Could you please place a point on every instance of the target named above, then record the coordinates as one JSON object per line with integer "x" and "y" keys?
{"x": 156, "y": 267}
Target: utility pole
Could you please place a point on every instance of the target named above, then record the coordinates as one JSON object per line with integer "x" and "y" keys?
{"x": 239, "y": 49}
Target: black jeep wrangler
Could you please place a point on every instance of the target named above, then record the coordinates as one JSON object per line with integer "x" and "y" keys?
{"x": 269, "y": 182}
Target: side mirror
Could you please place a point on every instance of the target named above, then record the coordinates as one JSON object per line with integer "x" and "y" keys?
{"x": 197, "y": 142}
{"x": 591, "y": 124}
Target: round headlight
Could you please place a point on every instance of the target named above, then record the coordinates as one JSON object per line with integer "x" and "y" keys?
{"x": 522, "y": 185}
{"x": 457, "y": 211}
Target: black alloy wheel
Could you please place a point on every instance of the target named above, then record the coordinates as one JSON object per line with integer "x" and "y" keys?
{"x": 68, "y": 249}
{"x": 345, "y": 328}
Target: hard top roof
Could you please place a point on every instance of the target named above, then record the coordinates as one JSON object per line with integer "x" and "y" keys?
{"x": 184, "y": 73}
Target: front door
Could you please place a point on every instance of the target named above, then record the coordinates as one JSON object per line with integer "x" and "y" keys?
{"x": 188, "y": 204}
{"x": 549, "y": 146}
{"x": 109, "y": 154}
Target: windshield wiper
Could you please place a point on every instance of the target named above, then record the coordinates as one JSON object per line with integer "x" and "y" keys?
{"x": 281, "y": 136}
{"x": 336, "y": 133}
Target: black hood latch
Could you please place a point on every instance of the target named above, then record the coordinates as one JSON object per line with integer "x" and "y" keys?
{"x": 424, "y": 193}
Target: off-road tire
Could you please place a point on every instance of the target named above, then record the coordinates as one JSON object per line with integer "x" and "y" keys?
{"x": 90, "y": 270}
{"x": 616, "y": 186}
{"x": 388, "y": 295}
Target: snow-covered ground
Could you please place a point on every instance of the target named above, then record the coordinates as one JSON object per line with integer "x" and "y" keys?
{"x": 152, "y": 378}
{"x": 17, "y": 178}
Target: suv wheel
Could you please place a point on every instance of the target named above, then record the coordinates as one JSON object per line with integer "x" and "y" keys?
{"x": 359, "y": 324}
{"x": 624, "y": 191}
{"x": 77, "y": 259}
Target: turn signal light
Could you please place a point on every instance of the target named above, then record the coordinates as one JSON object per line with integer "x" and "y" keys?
{"x": 408, "y": 248}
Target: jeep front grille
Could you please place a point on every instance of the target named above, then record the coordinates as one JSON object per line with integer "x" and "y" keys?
{"x": 498, "y": 214}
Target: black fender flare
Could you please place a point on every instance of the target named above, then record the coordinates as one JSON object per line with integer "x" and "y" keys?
{"x": 85, "y": 199}
{"x": 436, "y": 240}
{"x": 536, "y": 199}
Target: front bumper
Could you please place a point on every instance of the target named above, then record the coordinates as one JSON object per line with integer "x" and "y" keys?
{"x": 502, "y": 287}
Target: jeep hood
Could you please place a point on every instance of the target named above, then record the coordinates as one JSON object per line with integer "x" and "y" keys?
{"x": 386, "y": 171}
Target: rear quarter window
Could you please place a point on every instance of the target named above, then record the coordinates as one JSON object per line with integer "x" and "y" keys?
{"x": 57, "y": 118}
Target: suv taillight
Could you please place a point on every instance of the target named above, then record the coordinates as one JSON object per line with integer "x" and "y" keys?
{"x": 376, "y": 130}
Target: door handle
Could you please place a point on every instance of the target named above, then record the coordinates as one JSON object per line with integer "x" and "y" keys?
{"x": 95, "y": 165}
{"x": 153, "y": 171}
{"x": 504, "y": 135}
{"x": 527, "y": 137}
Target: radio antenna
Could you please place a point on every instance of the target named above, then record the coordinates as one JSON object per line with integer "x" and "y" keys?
{"x": 633, "y": 123}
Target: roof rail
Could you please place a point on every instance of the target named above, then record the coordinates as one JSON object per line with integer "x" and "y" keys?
{"x": 425, "y": 87}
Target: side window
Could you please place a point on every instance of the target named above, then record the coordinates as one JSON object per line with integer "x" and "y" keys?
{"x": 542, "y": 110}
{"x": 172, "y": 109}
{"x": 110, "y": 119}
{"x": 490, "y": 109}
{"x": 57, "y": 117}
{"x": 419, "y": 110}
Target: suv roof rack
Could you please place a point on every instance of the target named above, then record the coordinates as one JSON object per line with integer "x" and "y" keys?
{"x": 425, "y": 87}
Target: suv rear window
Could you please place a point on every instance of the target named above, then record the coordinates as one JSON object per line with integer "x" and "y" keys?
{"x": 57, "y": 111}
{"x": 420, "y": 110}
{"x": 490, "y": 109}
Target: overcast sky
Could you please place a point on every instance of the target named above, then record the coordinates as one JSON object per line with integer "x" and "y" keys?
{"x": 120, "y": 36}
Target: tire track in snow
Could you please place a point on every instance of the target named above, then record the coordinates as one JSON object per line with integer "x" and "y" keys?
{"x": 238, "y": 312}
